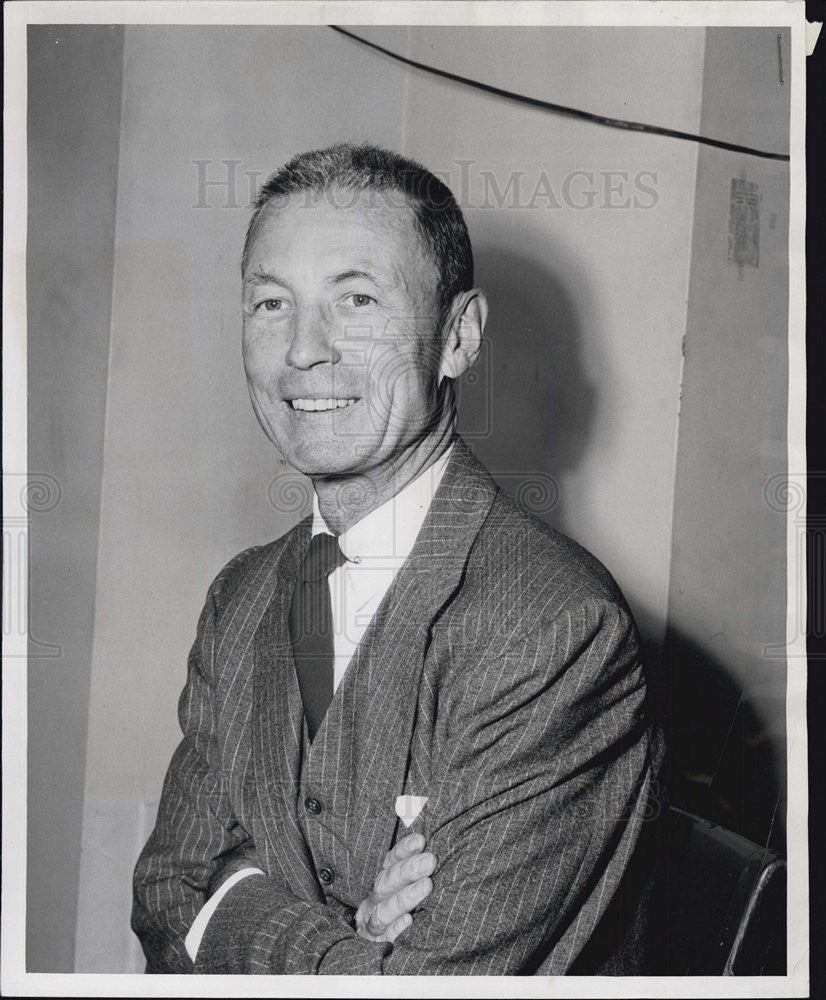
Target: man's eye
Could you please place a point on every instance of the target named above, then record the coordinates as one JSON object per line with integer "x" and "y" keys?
{"x": 361, "y": 300}
{"x": 270, "y": 305}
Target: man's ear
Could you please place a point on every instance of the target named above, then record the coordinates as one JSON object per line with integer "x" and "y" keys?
{"x": 463, "y": 334}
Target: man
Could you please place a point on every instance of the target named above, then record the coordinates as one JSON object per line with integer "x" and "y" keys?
{"x": 415, "y": 726}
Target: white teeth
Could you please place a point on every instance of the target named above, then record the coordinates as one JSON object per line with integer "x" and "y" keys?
{"x": 321, "y": 404}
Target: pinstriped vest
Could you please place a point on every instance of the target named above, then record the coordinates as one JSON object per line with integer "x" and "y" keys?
{"x": 335, "y": 777}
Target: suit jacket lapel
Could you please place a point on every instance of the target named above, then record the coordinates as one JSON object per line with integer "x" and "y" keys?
{"x": 389, "y": 660}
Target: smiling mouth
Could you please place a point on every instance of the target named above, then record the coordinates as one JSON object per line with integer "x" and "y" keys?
{"x": 321, "y": 405}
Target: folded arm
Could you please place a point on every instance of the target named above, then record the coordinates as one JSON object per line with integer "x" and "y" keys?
{"x": 197, "y": 842}
{"x": 533, "y": 813}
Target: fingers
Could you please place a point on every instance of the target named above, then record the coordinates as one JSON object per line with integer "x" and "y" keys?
{"x": 402, "y": 884}
{"x": 403, "y": 873}
{"x": 411, "y": 844}
{"x": 398, "y": 925}
{"x": 388, "y": 911}
{"x": 408, "y": 899}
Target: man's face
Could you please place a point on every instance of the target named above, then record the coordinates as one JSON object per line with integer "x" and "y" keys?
{"x": 341, "y": 339}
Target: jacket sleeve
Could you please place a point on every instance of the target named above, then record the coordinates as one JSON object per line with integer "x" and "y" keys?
{"x": 197, "y": 842}
{"x": 537, "y": 803}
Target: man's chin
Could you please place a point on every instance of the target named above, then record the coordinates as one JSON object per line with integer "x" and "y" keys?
{"x": 330, "y": 458}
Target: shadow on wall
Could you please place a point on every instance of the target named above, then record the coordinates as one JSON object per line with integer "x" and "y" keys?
{"x": 530, "y": 387}
{"x": 724, "y": 764}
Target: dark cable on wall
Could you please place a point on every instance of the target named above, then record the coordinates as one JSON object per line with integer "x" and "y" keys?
{"x": 561, "y": 109}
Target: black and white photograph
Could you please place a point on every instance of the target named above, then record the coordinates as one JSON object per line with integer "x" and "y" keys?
{"x": 405, "y": 499}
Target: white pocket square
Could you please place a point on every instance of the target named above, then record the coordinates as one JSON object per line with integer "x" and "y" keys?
{"x": 408, "y": 807}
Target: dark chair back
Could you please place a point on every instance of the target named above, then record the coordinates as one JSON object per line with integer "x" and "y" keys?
{"x": 726, "y": 902}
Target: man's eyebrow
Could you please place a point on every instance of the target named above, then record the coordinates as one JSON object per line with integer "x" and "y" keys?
{"x": 336, "y": 279}
{"x": 263, "y": 278}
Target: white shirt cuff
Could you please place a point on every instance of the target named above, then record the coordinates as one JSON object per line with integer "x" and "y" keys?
{"x": 192, "y": 942}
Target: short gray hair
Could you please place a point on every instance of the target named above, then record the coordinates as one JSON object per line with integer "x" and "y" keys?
{"x": 350, "y": 167}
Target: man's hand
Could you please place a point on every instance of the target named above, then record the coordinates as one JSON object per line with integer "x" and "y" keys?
{"x": 403, "y": 882}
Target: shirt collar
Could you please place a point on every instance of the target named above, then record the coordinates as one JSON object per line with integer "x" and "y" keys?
{"x": 389, "y": 531}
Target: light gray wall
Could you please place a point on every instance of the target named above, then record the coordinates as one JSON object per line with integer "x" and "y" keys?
{"x": 727, "y": 599}
{"x": 73, "y": 134}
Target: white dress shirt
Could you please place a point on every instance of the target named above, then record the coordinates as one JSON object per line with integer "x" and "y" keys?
{"x": 375, "y": 549}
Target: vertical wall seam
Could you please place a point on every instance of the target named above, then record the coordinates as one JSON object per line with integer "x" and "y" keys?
{"x": 684, "y": 347}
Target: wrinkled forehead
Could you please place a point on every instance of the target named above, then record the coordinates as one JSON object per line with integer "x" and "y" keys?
{"x": 379, "y": 224}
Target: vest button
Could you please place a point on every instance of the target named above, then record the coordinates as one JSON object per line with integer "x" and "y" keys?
{"x": 312, "y": 806}
{"x": 326, "y": 875}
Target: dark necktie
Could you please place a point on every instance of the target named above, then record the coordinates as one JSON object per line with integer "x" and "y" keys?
{"x": 311, "y": 627}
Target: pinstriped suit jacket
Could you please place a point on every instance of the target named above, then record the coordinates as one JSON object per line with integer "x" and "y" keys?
{"x": 500, "y": 677}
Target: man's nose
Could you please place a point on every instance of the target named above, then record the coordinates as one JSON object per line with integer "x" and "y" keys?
{"x": 313, "y": 341}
